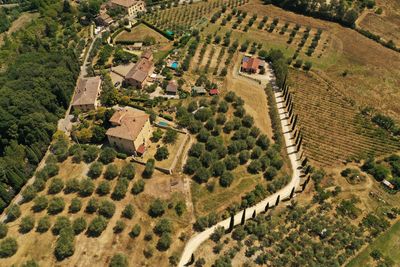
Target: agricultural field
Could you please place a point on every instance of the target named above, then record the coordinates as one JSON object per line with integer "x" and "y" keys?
{"x": 334, "y": 128}
{"x": 149, "y": 37}
{"x": 177, "y": 20}
{"x": 106, "y": 204}
{"x": 313, "y": 230}
{"x": 383, "y": 20}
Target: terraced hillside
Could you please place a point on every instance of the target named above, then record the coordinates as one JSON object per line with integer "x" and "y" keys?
{"x": 333, "y": 127}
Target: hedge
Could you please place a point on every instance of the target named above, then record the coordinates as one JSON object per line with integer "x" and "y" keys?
{"x": 163, "y": 33}
{"x": 166, "y": 116}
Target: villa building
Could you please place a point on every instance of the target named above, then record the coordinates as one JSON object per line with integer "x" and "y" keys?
{"x": 131, "y": 131}
{"x": 87, "y": 93}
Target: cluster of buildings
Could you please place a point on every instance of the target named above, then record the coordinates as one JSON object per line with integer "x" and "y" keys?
{"x": 130, "y": 7}
{"x": 141, "y": 72}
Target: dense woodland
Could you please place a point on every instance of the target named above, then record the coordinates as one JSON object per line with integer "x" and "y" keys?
{"x": 39, "y": 71}
{"x": 344, "y": 12}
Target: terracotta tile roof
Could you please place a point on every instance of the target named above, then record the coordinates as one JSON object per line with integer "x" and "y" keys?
{"x": 87, "y": 90}
{"x": 147, "y": 54}
{"x": 252, "y": 63}
{"x": 172, "y": 87}
{"x": 129, "y": 123}
{"x": 140, "y": 70}
{"x": 141, "y": 149}
{"x": 214, "y": 92}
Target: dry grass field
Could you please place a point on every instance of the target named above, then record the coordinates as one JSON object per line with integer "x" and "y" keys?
{"x": 386, "y": 24}
{"x": 139, "y": 34}
{"x": 333, "y": 128}
{"x": 40, "y": 246}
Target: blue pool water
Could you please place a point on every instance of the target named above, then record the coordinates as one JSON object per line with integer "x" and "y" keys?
{"x": 174, "y": 65}
{"x": 162, "y": 123}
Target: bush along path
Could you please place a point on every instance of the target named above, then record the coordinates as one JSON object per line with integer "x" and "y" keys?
{"x": 297, "y": 182}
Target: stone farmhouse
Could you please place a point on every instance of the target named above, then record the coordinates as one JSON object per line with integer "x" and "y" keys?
{"x": 87, "y": 93}
{"x": 131, "y": 131}
{"x": 252, "y": 64}
{"x": 140, "y": 73}
{"x": 132, "y": 7}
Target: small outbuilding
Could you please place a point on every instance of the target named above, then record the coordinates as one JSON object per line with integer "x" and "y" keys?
{"x": 198, "y": 90}
{"x": 172, "y": 88}
{"x": 214, "y": 91}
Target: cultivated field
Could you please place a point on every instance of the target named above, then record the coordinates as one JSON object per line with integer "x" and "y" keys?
{"x": 333, "y": 127}
{"x": 40, "y": 246}
{"x": 386, "y": 25}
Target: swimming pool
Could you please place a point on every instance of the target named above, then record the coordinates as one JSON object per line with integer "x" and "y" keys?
{"x": 174, "y": 65}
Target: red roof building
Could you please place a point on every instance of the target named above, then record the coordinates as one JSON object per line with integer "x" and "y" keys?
{"x": 214, "y": 92}
{"x": 251, "y": 64}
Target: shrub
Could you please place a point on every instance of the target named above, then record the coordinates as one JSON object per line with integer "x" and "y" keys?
{"x": 56, "y": 205}
{"x": 163, "y": 226}
{"x": 192, "y": 164}
{"x": 231, "y": 162}
{"x": 164, "y": 242}
{"x": 71, "y": 186}
{"x": 128, "y": 171}
{"x": 86, "y": 187}
{"x": 161, "y": 153}
{"x": 65, "y": 244}
{"x": 95, "y": 170}
{"x": 62, "y": 222}
{"x": 149, "y": 168}
{"x": 170, "y": 136}
{"x": 119, "y": 260}
{"x": 79, "y": 225}
{"x": 107, "y": 155}
{"x": 97, "y": 226}
{"x": 202, "y": 175}
{"x": 43, "y": 224}
{"x": 106, "y": 208}
{"x": 111, "y": 171}
{"x": 307, "y": 65}
{"x": 26, "y": 225}
{"x": 8, "y": 247}
{"x": 138, "y": 187}
{"x": 104, "y": 188}
{"x": 56, "y": 185}
{"x": 226, "y": 179}
{"x": 28, "y": 193}
{"x": 90, "y": 154}
{"x": 270, "y": 173}
{"x": 135, "y": 232}
{"x": 157, "y": 208}
{"x": 40, "y": 203}
{"x": 119, "y": 227}
{"x": 218, "y": 168}
{"x": 180, "y": 208}
{"x": 254, "y": 167}
{"x": 120, "y": 189}
{"x": 128, "y": 211}
{"x": 13, "y": 212}
{"x": 3, "y": 230}
{"x": 75, "y": 206}
{"x": 92, "y": 205}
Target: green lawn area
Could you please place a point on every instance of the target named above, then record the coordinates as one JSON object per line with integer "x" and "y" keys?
{"x": 388, "y": 244}
{"x": 205, "y": 202}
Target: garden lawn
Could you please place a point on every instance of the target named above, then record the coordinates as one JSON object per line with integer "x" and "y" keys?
{"x": 388, "y": 244}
